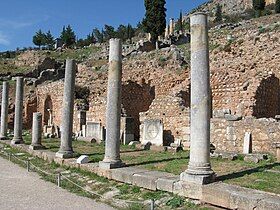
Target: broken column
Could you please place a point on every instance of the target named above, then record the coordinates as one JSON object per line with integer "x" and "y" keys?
{"x": 66, "y": 150}
{"x": 36, "y": 143}
{"x": 17, "y": 139}
{"x": 4, "y": 111}
{"x": 199, "y": 168}
{"x": 113, "y": 112}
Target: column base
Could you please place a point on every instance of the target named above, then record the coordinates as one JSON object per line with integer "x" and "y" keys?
{"x": 17, "y": 141}
{"x": 201, "y": 179}
{"x": 64, "y": 154}
{"x": 111, "y": 165}
{"x": 37, "y": 147}
{"x": 4, "y": 138}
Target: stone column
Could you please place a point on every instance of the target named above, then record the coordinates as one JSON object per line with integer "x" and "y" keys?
{"x": 66, "y": 150}
{"x": 171, "y": 26}
{"x": 37, "y": 132}
{"x": 4, "y": 111}
{"x": 18, "y": 112}
{"x": 113, "y": 112}
{"x": 199, "y": 169}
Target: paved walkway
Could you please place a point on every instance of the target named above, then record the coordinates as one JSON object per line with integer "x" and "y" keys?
{"x": 22, "y": 190}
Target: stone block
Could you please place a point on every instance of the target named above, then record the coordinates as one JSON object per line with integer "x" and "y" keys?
{"x": 37, "y": 147}
{"x": 126, "y": 174}
{"x": 83, "y": 159}
{"x": 148, "y": 180}
{"x": 133, "y": 143}
{"x": 153, "y": 132}
{"x": 255, "y": 157}
{"x": 230, "y": 117}
{"x": 277, "y": 145}
{"x": 86, "y": 139}
{"x": 247, "y": 144}
{"x": 95, "y": 130}
{"x": 188, "y": 189}
{"x": 167, "y": 183}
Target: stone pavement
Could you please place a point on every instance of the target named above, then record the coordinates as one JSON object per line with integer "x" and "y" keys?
{"x": 20, "y": 189}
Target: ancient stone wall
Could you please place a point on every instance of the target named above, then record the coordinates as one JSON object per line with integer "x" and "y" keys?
{"x": 174, "y": 114}
{"x": 229, "y": 135}
{"x": 50, "y": 96}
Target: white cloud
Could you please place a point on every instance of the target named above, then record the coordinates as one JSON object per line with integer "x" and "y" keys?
{"x": 14, "y": 24}
{"x": 4, "y": 40}
{"x": 20, "y": 23}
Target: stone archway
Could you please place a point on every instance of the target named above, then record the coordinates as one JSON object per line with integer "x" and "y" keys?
{"x": 48, "y": 109}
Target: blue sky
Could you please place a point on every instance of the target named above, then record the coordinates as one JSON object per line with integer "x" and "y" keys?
{"x": 20, "y": 19}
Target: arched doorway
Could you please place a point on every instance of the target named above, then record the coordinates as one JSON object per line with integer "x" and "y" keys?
{"x": 48, "y": 109}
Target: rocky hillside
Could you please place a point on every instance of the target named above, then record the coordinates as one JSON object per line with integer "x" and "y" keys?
{"x": 229, "y": 7}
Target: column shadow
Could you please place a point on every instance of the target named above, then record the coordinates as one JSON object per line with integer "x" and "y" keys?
{"x": 246, "y": 172}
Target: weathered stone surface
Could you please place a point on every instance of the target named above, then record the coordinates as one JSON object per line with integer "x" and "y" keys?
{"x": 126, "y": 174}
{"x": 113, "y": 113}
{"x": 255, "y": 157}
{"x": 83, "y": 159}
{"x": 36, "y": 143}
{"x": 247, "y": 145}
{"x": 17, "y": 139}
{"x": 167, "y": 183}
{"x": 153, "y": 132}
{"x": 66, "y": 150}
{"x": 199, "y": 168}
{"x": 95, "y": 130}
{"x": 4, "y": 111}
{"x": 149, "y": 179}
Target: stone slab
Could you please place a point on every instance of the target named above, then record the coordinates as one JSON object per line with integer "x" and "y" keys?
{"x": 153, "y": 132}
{"x": 167, "y": 183}
{"x": 148, "y": 180}
{"x": 37, "y": 147}
{"x": 126, "y": 174}
{"x": 235, "y": 197}
{"x": 83, "y": 159}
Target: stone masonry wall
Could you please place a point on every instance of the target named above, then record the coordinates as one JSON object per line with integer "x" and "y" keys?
{"x": 174, "y": 114}
{"x": 229, "y": 135}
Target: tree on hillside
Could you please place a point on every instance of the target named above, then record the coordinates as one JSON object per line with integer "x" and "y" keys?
{"x": 109, "y": 32}
{"x": 39, "y": 38}
{"x": 122, "y": 32}
{"x": 180, "y": 21}
{"x": 277, "y": 6}
{"x": 68, "y": 36}
{"x": 98, "y": 35}
{"x": 130, "y": 31}
{"x": 259, "y": 6}
{"x": 49, "y": 40}
{"x": 218, "y": 14}
{"x": 155, "y": 18}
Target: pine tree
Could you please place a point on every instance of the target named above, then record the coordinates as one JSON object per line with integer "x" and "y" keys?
{"x": 259, "y": 6}
{"x": 155, "y": 18}
{"x": 180, "y": 21}
{"x": 39, "y": 39}
{"x": 218, "y": 14}
{"x": 68, "y": 36}
{"x": 129, "y": 32}
{"x": 109, "y": 32}
{"x": 98, "y": 35}
{"x": 49, "y": 40}
{"x": 277, "y": 6}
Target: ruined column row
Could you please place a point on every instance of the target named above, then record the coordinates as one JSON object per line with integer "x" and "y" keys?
{"x": 199, "y": 168}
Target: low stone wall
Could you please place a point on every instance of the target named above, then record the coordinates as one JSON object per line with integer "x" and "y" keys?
{"x": 229, "y": 135}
